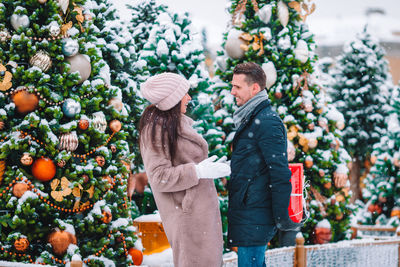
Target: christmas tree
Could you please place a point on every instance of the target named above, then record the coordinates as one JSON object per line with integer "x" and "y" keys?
{"x": 274, "y": 35}
{"x": 362, "y": 86}
{"x": 63, "y": 185}
{"x": 382, "y": 184}
{"x": 144, "y": 13}
{"x": 119, "y": 53}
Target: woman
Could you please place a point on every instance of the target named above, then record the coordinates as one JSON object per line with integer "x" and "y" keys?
{"x": 175, "y": 159}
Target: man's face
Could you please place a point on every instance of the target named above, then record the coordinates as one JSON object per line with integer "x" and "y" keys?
{"x": 241, "y": 90}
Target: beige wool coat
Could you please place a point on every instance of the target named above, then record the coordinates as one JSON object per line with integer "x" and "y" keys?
{"x": 188, "y": 206}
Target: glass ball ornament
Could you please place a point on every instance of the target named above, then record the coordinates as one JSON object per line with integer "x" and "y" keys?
{"x": 42, "y": 1}
{"x": 24, "y": 101}
{"x": 19, "y": 189}
{"x": 4, "y": 35}
{"x": 70, "y": 47}
{"x": 83, "y": 124}
{"x": 116, "y": 103}
{"x": 26, "y": 159}
{"x": 42, "y": 60}
{"x": 18, "y": 21}
{"x": 99, "y": 121}
{"x": 115, "y": 126}
{"x": 81, "y": 64}
{"x": 71, "y": 107}
{"x": 54, "y": 29}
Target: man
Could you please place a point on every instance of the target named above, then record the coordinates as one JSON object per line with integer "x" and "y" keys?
{"x": 259, "y": 188}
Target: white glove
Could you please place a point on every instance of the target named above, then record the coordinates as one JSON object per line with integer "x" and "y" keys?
{"x": 212, "y": 170}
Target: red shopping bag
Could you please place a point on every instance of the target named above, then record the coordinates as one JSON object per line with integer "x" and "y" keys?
{"x": 296, "y": 197}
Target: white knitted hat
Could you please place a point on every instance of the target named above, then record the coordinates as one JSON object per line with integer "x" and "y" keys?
{"x": 165, "y": 90}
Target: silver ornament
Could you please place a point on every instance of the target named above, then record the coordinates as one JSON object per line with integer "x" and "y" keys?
{"x": 19, "y": 21}
{"x": 70, "y": 47}
{"x": 71, "y": 108}
{"x": 54, "y": 30}
{"x": 41, "y": 60}
{"x": 4, "y": 35}
{"x": 80, "y": 64}
{"x": 68, "y": 141}
{"x": 99, "y": 121}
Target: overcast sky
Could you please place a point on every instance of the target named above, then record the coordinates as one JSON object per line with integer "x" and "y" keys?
{"x": 212, "y": 14}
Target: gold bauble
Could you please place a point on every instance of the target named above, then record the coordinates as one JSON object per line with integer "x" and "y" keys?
{"x": 21, "y": 244}
{"x": 19, "y": 189}
{"x": 60, "y": 240}
{"x": 100, "y": 161}
{"x": 25, "y": 102}
{"x": 107, "y": 217}
{"x": 115, "y": 125}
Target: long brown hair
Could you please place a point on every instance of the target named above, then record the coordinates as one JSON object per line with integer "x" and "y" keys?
{"x": 169, "y": 120}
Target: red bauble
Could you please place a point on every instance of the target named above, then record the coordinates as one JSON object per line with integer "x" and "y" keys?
{"x": 43, "y": 169}
{"x": 83, "y": 124}
{"x": 137, "y": 256}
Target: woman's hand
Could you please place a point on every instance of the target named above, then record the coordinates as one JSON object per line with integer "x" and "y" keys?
{"x": 211, "y": 169}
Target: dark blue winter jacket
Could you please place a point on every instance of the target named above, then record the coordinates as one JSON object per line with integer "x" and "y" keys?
{"x": 259, "y": 187}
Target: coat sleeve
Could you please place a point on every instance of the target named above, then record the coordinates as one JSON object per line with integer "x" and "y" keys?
{"x": 163, "y": 176}
{"x": 272, "y": 142}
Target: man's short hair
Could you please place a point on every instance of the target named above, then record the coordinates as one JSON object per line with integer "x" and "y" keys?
{"x": 254, "y": 73}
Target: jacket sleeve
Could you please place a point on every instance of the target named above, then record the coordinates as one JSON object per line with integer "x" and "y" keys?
{"x": 163, "y": 176}
{"x": 271, "y": 137}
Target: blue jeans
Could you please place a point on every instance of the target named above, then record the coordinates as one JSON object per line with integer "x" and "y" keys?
{"x": 251, "y": 256}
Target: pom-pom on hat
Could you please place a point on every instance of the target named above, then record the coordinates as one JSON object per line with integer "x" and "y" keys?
{"x": 165, "y": 90}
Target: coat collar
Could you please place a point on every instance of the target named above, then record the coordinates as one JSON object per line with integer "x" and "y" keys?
{"x": 256, "y": 110}
{"x": 186, "y": 131}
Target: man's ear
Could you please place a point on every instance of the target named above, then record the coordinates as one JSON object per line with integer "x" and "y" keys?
{"x": 256, "y": 89}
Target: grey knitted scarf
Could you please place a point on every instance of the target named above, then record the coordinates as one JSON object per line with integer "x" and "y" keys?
{"x": 244, "y": 111}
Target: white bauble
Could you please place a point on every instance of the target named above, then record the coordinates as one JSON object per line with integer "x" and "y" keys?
{"x": 81, "y": 64}
{"x": 270, "y": 72}
{"x": 265, "y": 13}
{"x": 301, "y": 51}
{"x": 283, "y": 13}
{"x": 232, "y": 45}
{"x": 19, "y": 21}
{"x": 312, "y": 142}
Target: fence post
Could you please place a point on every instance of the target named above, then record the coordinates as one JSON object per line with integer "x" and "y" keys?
{"x": 300, "y": 253}
{"x": 398, "y": 250}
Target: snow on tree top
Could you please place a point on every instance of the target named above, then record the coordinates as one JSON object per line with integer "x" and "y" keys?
{"x": 324, "y": 224}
